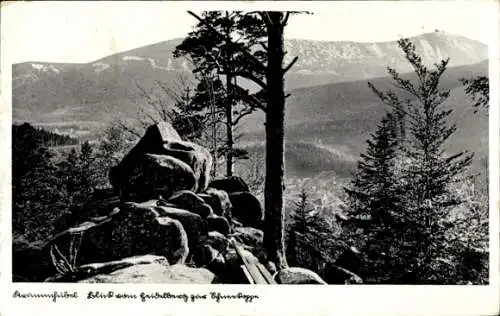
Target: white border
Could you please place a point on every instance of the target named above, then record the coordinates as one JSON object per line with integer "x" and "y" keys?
{"x": 274, "y": 300}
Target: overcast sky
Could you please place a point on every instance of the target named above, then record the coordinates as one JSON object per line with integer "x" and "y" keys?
{"x": 86, "y": 31}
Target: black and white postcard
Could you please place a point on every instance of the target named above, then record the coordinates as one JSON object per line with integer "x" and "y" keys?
{"x": 250, "y": 158}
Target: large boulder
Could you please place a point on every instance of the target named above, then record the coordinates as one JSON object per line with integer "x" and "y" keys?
{"x": 92, "y": 269}
{"x": 144, "y": 226}
{"x": 134, "y": 230}
{"x": 219, "y": 224}
{"x": 167, "y": 155}
{"x": 230, "y": 184}
{"x": 217, "y": 241}
{"x": 206, "y": 256}
{"x": 210, "y": 252}
{"x": 249, "y": 236}
{"x": 196, "y": 156}
{"x": 246, "y": 208}
{"x": 95, "y": 211}
{"x": 295, "y": 275}
{"x": 338, "y": 275}
{"x": 155, "y": 273}
{"x": 194, "y": 225}
{"x": 218, "y": 201}
{"x": 149, "y": 176}
{"x": 190, "y": 201}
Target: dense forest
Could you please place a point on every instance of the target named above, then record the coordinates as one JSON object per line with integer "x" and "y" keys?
{"x": 47, "y": 138}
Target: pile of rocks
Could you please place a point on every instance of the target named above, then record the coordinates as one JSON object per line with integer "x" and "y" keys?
{"x": 163, "y": 222}
{"x": 163, "y": 212}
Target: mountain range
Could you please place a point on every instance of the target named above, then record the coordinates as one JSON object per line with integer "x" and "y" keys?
{"x": 330, "y": 102}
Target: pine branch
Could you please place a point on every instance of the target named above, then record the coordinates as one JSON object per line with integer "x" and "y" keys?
{"x": 285, "y": 18}
{"x": 290, "y": 65}
{"x": 257, "y": 63}
{"x": 242, "y": 114}
{"x": 248, "y": 75}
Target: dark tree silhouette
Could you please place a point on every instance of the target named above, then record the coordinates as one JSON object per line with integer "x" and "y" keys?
{"x": 417, "y": 210}
{"x": 375, "y": 201}
{"x": 265, "y": 67}
{"x": 36, "y": 194}
{"x": 215, "y": 46}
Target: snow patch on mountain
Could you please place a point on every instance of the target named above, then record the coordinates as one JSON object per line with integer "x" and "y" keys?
{"x": 45, "y": 68}
{"x": 100, "y": 66}
{"x": 151, "y": 61}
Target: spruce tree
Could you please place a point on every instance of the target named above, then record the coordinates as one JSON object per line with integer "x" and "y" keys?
{"x": 425, "y": 172}
{"x": 310, "y": 237}
{"x": 374, "y": 200}
{"x": 297, "y": 230}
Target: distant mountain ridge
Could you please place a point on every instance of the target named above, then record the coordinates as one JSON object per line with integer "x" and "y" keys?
{"x": 106, "y": 89}
{"x": 342, "y": 115}
{"x": 314, "y": 56}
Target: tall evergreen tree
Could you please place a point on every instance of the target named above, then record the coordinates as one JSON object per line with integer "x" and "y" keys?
{"x": 298, "y": 228}
{"x": 215, "y": 47}
{"x": 374, "y": 187}
{"x": 264, "y": 66}
{"x": 425, "y": 172}
{"x": 432, "y": 171}
{"x": 375, "y": 200}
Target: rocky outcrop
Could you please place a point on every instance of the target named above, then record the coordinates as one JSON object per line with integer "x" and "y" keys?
{"x": 296, "y": 275}
{"x": 150, "y": 176}
{"x": 95, "y": 269}
{"x": 136, "y": 229}
{"x": 160, "y": 219}
{"x": 160, "y": 164}
{"x": 155, "y": 273}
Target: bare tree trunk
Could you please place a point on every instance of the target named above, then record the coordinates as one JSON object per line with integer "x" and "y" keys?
{"x": 229, "y": 102}
{"x": 275, "y": 144}
{"x": 229, "y": 126}
{"x": 214, "y": 131}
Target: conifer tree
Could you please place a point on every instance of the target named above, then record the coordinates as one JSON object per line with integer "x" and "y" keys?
{"x": 215, "y": 47}
{"x": 35, "y": 186}
{"x": 262, "y": 62}
{"x": 298, "y": 228}
{"x": 374, "y": 199}
{"x": 310, "y": 237}
{"x": 420, "y": 235}
{"x": 78, "y": 172}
